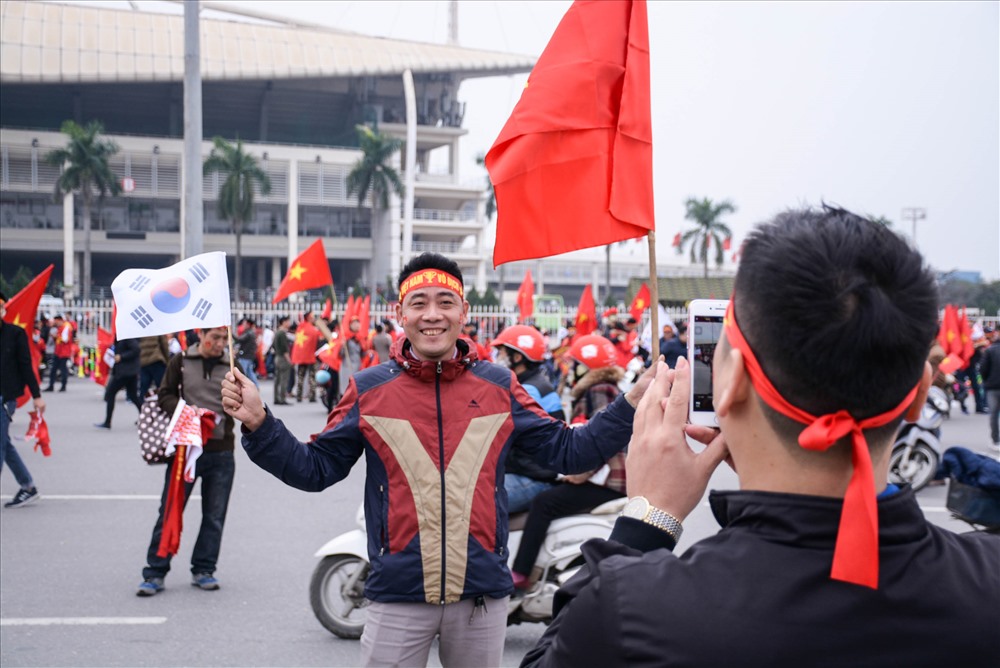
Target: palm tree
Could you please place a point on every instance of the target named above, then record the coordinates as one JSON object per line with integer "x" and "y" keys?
{"x": 373, "y": 174}
{"x": 491, "y": 208}
{"x": 236, "y": 193}
{"x": 491, "y": 201}
{"x": 85, "y": 167}
{"x": 706, "y": 214}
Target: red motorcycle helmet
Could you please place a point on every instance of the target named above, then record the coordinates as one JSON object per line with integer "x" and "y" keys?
{"x": 594, "y": 352}
{"x": 524, "y": 339}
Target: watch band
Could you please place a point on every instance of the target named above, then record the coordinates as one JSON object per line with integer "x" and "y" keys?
{"x": 664, "y": 521}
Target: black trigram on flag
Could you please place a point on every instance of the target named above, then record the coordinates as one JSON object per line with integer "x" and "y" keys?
{"x": 139, "y": 283}
{"x": 201, "y": 309}
{"x": 141, "y": 317}
{"x": 198, "y": 271}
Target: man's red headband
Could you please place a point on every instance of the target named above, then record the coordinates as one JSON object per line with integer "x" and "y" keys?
{"x": 855, "y": 557}
{"x": 431, "y": 277}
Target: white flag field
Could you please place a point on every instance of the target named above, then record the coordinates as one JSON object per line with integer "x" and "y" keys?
{"x": 647, "y": 332}
{"x": 192, "y": 294}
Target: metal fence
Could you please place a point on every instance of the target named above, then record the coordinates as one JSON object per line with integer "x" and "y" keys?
{"x": 489, "y": 319}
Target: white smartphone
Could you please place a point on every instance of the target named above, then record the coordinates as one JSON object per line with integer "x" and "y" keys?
{"x": 704, "y": 329}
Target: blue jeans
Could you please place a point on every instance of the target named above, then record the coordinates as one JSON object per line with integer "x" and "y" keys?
{"x": 150, "y": 376}
{"x": 246, "y": 366}
{"x": 521, "y": 490}
{"x": 216, "y": 470}
{"x": 8, "y": 453}
{"x": 60, "y": 369}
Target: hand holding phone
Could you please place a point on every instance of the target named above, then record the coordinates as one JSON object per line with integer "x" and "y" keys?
{"x": 705, "y": 318}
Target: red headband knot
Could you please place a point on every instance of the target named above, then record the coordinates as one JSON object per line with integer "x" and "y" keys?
{"x": 855, "y": 557}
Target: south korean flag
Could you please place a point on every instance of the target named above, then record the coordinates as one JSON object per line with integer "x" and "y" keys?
{"x": 192, "y": 294}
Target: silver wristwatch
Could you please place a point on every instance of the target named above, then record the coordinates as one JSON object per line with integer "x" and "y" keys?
{"x": 639, "y": 508}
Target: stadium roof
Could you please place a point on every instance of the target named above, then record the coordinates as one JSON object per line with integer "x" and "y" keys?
{"x": 57, "y": 43}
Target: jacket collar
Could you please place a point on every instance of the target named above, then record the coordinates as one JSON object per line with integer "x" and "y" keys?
{"x": 427, "y": 371}
{"x": 811, "y": 521}
{"x": 611, "y": 375}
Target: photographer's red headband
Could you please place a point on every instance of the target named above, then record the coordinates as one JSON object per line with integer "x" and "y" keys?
{"x": 855, "y": 557}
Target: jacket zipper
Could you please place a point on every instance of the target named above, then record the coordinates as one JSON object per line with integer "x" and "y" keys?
{"x": 444, "y": 518}
{"x": 384, "y": 537}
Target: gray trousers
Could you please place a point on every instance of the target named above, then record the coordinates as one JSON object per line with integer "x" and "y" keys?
{"x": 282, "y": 372}
{"x": 400, "y": 634}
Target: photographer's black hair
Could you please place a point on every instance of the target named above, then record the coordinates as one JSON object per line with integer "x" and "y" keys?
{"x": 839, "y": 311}
{"x": 429, "y": 261}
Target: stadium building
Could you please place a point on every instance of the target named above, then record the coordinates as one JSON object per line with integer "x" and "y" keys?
{"x": 292, "y": 94}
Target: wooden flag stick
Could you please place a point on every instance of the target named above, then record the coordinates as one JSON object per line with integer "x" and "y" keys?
{"x": 232, "y": 351}
{"x": 654, "y": 296}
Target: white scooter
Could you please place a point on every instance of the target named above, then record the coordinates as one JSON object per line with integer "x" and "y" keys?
{"x": 917, "y": 450}
{"x": 336, "y": 590}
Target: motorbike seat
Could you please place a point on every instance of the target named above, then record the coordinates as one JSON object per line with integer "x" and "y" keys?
{"x": 612, "y": 507}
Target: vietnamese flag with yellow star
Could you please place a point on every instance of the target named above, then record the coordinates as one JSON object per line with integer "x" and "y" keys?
{"x": 22, "y": 310}
{"x": 309, "y": 270}
{"x": 526, "y": 298}
{"x": 586, "y": 313}
{"x": 640, "y": 303}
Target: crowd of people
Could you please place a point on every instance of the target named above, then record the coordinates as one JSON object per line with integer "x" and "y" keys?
{"x": 459, "y": 434}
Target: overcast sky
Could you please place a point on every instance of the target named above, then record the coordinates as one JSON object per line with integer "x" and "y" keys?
{"x": 874, "y": 106}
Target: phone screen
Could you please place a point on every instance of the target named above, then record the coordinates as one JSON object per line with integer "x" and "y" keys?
{"x": 707, "y": 330}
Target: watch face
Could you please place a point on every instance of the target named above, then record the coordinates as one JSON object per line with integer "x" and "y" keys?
{"x": 636, "y": 508}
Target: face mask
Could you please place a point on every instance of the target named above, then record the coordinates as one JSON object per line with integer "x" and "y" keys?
{"x": 502, "y": 360}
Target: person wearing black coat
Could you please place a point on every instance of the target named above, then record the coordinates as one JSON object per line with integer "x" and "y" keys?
{"x": 124, "y": 375}
{"x": 989, "y": 366}
{"x": 819, "y": 560}
{"x": 15, "y": 363}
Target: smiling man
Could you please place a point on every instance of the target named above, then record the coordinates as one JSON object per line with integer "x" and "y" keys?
{"x": 435, "y": 424}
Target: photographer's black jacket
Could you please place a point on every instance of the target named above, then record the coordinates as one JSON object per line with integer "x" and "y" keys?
{"x": 758, "y": 593}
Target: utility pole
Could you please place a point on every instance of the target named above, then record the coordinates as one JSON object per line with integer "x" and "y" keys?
{"x": 192, "y": 226}
{"x": 914, "y": 214}
{"x": 453, "y": 23}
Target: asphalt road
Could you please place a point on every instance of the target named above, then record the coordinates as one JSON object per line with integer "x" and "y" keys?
{"x": 70, "y": 563}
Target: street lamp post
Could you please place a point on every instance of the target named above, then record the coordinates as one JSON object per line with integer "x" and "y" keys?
{"x": 913, "y": 213}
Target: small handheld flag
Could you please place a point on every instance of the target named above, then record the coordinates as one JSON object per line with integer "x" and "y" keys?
{"x": 192, "y": 294}
{"x": 309, "y": 270}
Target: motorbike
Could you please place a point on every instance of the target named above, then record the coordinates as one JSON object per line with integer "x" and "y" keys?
{"x": 917, "y": 449}
{"x": 336, "y": 590}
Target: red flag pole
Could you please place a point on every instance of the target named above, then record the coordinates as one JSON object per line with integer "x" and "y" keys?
{"x": 654, "y": 296}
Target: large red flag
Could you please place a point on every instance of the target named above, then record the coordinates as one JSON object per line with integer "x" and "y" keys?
{"x": 573, "y": 166}
{"x": 586, "y": 313}
{"x": 965, "y": 332}
{"x": 526, "y": 298}
{"x": 309, "y": 270}
{"x": 364, "y": 318}
{"x": 640, "y": 302}
{"x": 350, "y": 309}
{"x": 950, "y": 334}
{"x": 105, "y": 340}
{"x": 22, "y": 310}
